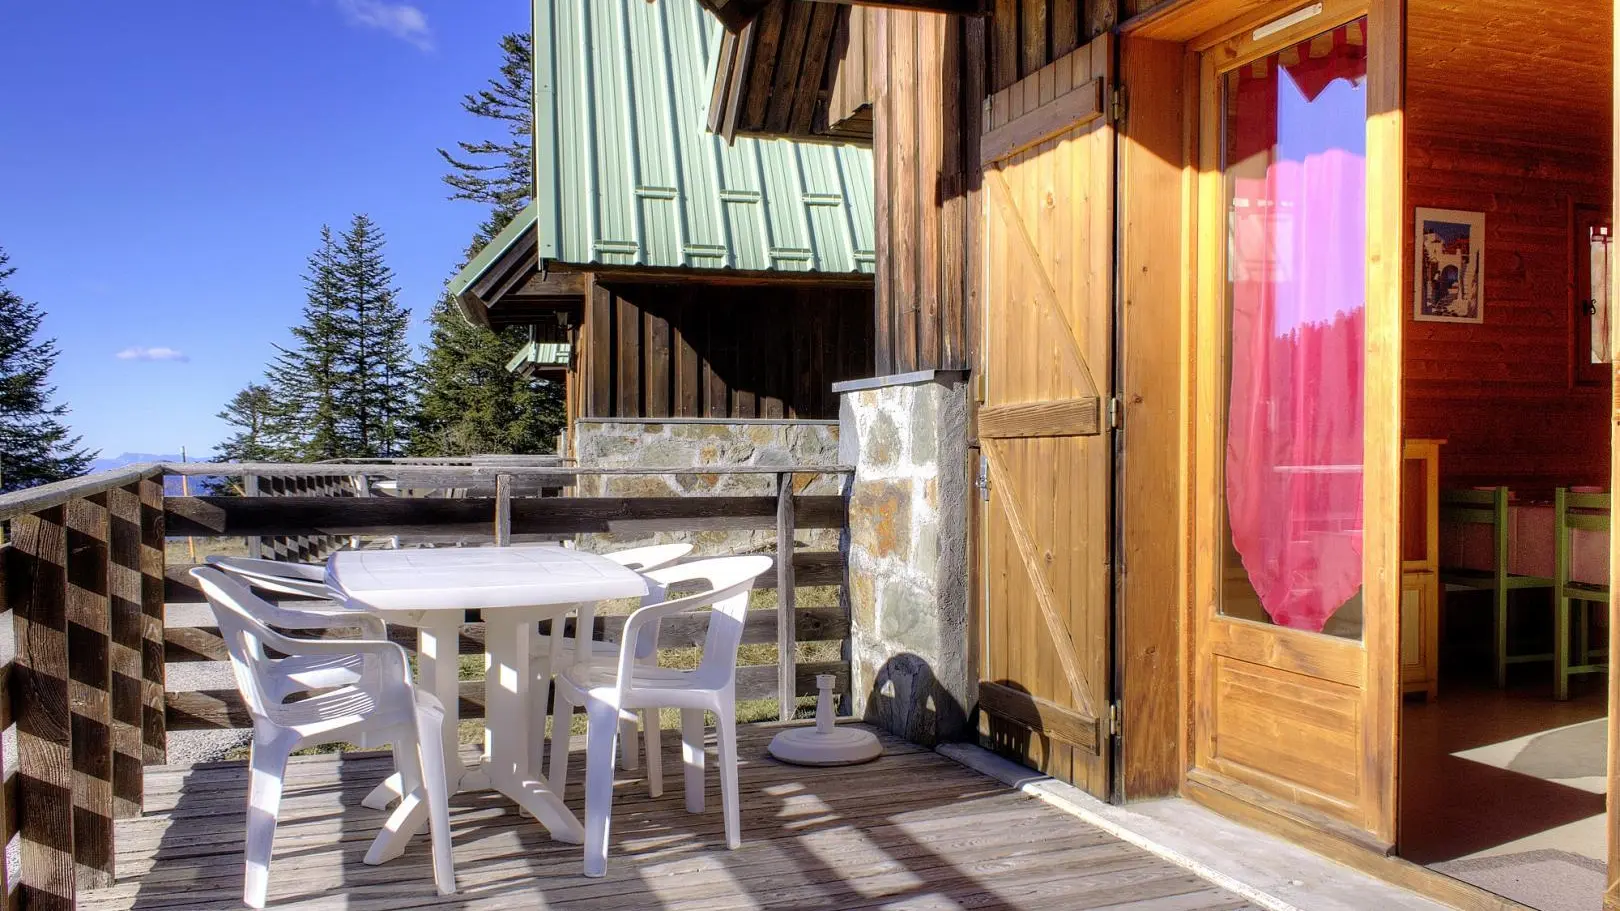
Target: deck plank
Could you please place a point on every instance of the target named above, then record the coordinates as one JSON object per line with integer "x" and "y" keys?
{"x": 912, "y": 830}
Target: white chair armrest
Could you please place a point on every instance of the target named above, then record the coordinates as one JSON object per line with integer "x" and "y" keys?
{"x": 389, "y": 653}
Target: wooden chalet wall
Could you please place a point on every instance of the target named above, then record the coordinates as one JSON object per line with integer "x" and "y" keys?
{"x": 1514, "y": 122}
{"x": 721, "y": 351}
{"x": 929, "y": 75}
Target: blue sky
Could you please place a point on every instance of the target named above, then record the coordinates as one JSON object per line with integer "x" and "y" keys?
{"x": 165, "y": 168}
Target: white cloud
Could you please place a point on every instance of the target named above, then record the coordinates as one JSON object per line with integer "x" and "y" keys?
{"x": 402, "y": 20}
{"x": 141, "y": 353}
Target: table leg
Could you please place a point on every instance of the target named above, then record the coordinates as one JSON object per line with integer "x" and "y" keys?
{"x": 438, "y": 669}
{"x": 506, "y": 733}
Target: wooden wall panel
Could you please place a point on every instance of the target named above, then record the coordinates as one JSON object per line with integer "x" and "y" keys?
{"x": 1509, "y": 123}
{"x": 723, "y": 351}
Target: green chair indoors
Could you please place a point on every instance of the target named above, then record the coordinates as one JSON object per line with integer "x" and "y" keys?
{"x": 1490, "y": 507}
{"x": 1586, "y": 512}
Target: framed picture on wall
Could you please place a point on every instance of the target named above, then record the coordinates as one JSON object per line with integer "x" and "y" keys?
{"x": 1449, "y": 284}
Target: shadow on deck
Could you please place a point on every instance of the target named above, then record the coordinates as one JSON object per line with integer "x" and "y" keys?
{"x": 912, "y": 830}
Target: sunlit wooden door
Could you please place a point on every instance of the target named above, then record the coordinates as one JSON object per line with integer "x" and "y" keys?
{"x": 1297, "y": 450}
{"x": 1044, "y": 637}
{"x": 1611, "y": 896}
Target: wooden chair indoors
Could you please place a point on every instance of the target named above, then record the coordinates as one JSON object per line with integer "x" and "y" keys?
{"x": 1576, "y": 512}
{"x": 1490, "y": 507}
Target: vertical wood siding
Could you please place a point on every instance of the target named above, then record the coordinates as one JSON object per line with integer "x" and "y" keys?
{"x": 929, "y": 74}
{"x": 705, "y": 351}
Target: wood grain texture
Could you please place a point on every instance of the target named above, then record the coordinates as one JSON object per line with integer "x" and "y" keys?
{"x": 1065, "y": 418}
{"x": 154, "y": 739}
{"x": 550, "y": 515}
{"x": 1154, "y": 261}
{"x": 1500, "y": 393}
{"x": 705, "y": 351}
{"x": 89, "y": 629}
{"x": 36, "y": 593}
{"x": 1041, "y": 716}
{"x": 913, "y": 829}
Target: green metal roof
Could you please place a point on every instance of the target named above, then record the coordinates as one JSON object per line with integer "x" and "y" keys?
{"x": 509, "y": 236}
{"x": 627, "y": 173}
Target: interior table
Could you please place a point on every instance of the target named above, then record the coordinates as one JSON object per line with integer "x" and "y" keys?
{"x": 514, "y": 588}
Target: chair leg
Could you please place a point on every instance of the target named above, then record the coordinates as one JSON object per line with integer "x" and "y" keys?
{"x": 268, "y": 768}
{"x": 602, "y": 729}
{"x": 692, "y": 757}
{"x": 1561, "y": 650}
{"x": 1501, "y": 597}
{"x": 539, "y": 711}
{"x": 628, "y": 760}
{"x": 654, "y": 735}
{"x": 1583, "y": 633}
{"x": 726, "y": 735}
{"x": 562, "y": 717}
{"x": 430, "y": 737}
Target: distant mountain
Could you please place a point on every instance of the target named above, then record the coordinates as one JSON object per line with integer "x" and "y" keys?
{"x": 130, "y": 458}
{"x": 172, "y": 486}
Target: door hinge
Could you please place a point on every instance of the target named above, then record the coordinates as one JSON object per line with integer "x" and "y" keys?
{"x": 1118, "y": 104}
{"x": 1113, "y": 719}
{"x": 983, "y": 480}
{"x": 1116, "y": 413}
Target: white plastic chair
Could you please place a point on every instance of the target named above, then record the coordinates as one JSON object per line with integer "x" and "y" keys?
{"x": 381, "y": 705}
{"x": 605, "y": 654}
{"x": 312, "y": 672}
{"x": 630, "y": 685}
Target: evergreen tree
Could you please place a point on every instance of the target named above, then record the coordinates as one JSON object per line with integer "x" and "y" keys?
{"x": 469, "y": 403}
{"x": 376, "y": 374}
{"x": 304, "y": 420}
{"x": 248, "y": 412}
{"x": 500, "y": 172}
{"x": 35, "y": 445}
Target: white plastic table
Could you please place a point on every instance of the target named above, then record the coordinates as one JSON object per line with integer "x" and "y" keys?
{"x": 514, "y": 587}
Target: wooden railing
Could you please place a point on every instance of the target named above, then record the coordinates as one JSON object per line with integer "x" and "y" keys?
{"x": 84, "y": 577}
{"x": 83, "y": 582}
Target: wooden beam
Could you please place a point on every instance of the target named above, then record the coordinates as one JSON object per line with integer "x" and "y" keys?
{"x": 201, "y": 710}
{"x": 45, "y": 496}
{"x": 1041, "y": 716}
{"x": 237, "y": 516}
{"x": 190, "y": 644}
{"x": 1070, "y": 112}
{"x": 154, "y": 737}
{"x": 1068, "y": 418}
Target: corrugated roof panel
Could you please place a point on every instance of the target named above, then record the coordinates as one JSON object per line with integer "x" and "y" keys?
{"x": 631, "y": 176}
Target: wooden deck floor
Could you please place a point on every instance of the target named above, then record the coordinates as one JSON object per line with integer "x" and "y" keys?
{"x": 912, "y": 830}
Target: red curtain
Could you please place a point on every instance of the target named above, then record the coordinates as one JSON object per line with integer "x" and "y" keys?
{"x": 1298, "y": 284}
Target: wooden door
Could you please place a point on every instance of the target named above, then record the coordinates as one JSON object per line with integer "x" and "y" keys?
{"x": 1048, "y": 158}
{"x": 1296, "y": 456}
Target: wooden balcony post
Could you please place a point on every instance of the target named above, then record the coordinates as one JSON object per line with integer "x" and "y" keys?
{"x": 89, "y": 633}
{"x": 36, "y": 591}
{"x": 787, "y": 646}
{"x": 154, "y": 736}
{"x": 503, "y": 510}
{"x": 250, "y": 488}
{"x": 124, "y": 591}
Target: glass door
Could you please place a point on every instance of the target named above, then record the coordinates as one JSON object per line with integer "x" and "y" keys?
{"x": 1297, "y": 452}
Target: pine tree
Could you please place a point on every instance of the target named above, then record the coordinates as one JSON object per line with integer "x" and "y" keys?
{"x": 249, "y": 412}
{"x": 469, "y": 403}
{"x": 376, "y": 374}
{"x": 35, "y": 445}
{"x": 304, "y": 420}
{"x": 500, "y": 172}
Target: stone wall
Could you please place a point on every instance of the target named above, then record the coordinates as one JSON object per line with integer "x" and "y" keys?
{"x": 907, "y": 540}
{"x": 702, "y": 443}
